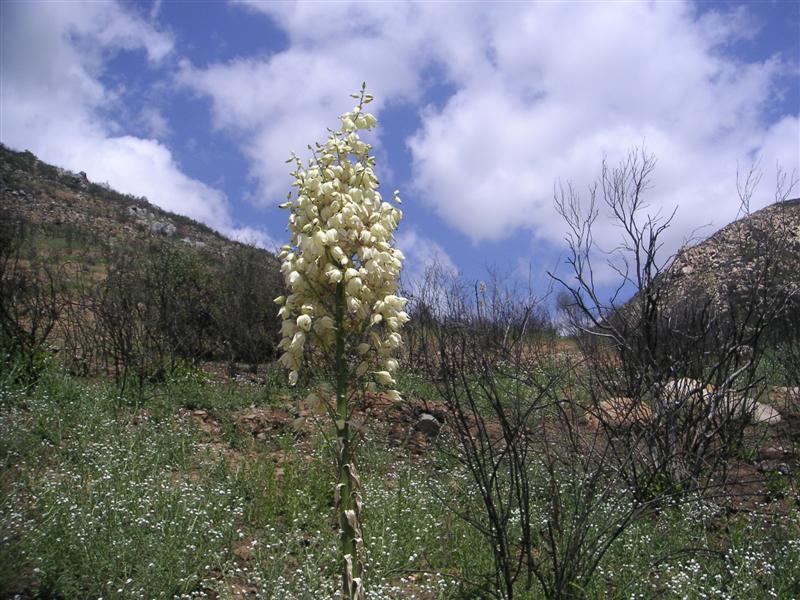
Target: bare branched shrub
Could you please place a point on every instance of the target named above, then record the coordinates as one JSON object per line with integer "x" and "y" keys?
{"x": 245, "y": 314}
{"x": 550, "y": 497}
{"x": 80, "y": 335}
{"x": 154, "y": 310}
{"x": 787, "y": 349}
{"x": 29, "y": 303}
{"x": 683, "y": 352}
{"x": 473, "y": 352}
{"x": 182, "y": 291}
{"x": 135, "y": 351}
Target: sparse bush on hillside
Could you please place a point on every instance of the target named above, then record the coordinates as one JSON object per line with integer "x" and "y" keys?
{"x": 164, "y": 305}
{"x": 245, "y": 313}
{"x": 83, "y": 348}
{"x": 183, "y": 289}
{"x": 129, "y": 302}
{"x": 29, "y": 306}
{"x": 128, "y": 313}
{"x": 133, "y": 311}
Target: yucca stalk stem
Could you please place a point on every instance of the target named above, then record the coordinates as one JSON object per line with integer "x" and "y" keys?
{"x": 350, "y": 569}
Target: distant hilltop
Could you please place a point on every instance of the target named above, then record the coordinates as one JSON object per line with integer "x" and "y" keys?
{"x": 44, "y": 195}
{"x": 736, "y": 257}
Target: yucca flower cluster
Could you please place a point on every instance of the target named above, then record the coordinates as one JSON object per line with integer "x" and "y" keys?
{"x": 343, "y": 315}
{"x": 341, "y": 241}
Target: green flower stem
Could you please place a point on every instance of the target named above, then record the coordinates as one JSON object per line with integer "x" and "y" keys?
{"x": 343, "y": 439}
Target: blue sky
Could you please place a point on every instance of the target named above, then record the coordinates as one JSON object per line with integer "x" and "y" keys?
{"x": 482, "y": 107}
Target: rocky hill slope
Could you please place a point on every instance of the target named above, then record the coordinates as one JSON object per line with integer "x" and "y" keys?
{"x": 760, "y": 251}
{"x": 61, "y": 202}
{"x": 772, "y": 233}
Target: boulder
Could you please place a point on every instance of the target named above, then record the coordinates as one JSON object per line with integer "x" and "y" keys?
{"x": 162, "y": 228}
{"x": 428, "y": 424}
{"x": 764, "y": 413}
{"x": 619, "y": 412}
{"x": 774, "y": 466}
{"x": 686, "y": 389}
{"x": 193, "y": 243}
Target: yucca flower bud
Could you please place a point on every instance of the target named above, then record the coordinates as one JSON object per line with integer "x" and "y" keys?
{"x": 334, "y": 275}
{"x": 384, "y": 377}
{"x": 304, "y": 322}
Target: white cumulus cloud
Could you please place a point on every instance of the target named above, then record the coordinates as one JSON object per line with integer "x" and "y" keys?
{"x": 52, "y": 102}
{"x": 541, "y": 92}
{"x": 424, "y": 252}
{"x": 572, "y": 84}
{"x": 281, "y": 103}
{"x": 422, "y": 255}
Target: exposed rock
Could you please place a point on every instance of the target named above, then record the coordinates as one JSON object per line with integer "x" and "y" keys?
{"x": 203, "y": 420}
{"x": 74, "y": 180}
{"x": 622, "y": 412}
{"x": 428, "y": 424}
{"x": 193, "y": 243}
{"x": 758, "y": 254}
{"x": 764, "y": 413}
{"x": 774, "y": 466}
{"x": 730, "y": 260}
{"x": 686, "y": 389}
{"x": 137, "y": 212}
{"x": 162, "y": 228}
{"x": 690, "y": 392}
{"x": 774, "y": 451}
{"x": 412, "y": 424}
{"x": 262, "y": 423}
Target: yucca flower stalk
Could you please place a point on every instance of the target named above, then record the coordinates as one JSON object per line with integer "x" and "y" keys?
{"x": 342, "y": 316}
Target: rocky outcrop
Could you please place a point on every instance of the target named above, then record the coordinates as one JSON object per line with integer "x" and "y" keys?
{"x": 162, "y": 228}
{"x": 760, "y": 252}
{"x": 156, "y": 224}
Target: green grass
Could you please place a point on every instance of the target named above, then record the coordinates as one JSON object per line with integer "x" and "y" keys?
{"x": 117, "y": 497}
{"x": 106, "y": 506}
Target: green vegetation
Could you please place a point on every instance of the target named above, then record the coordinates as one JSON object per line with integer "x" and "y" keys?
{"x": 139, "y": 460}
{"x": 115, "y": 497}
{"x": 134, "y": 310}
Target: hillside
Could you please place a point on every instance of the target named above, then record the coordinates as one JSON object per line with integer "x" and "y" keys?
{"x": 63, "y": 203}
{"x": 745, "y": 275}
{"x": 118, "y": 286}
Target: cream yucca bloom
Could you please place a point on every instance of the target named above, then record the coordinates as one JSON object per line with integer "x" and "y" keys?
{"x": 341, "y": 232}
{"x": 342, "y": 314}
